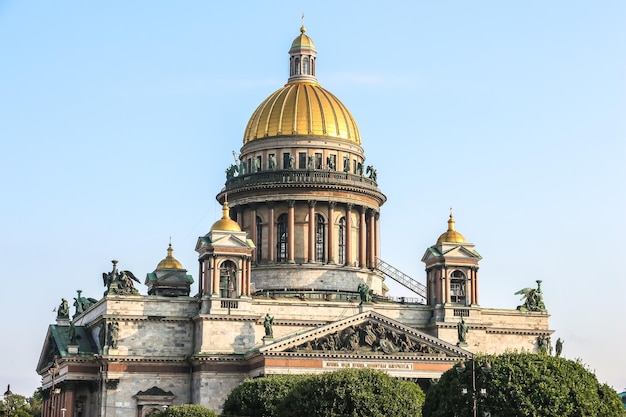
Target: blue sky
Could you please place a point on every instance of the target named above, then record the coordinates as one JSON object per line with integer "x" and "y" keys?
{"x": 118, "y": 119}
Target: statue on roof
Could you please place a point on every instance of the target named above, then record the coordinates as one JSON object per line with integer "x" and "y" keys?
{"x": 82, "y": 303}
{"x": 372, "y": 172}
{"x": 64, "y": 310}
{"x": 365, "y": 293}
{"x": 533, "y": 299}
{"x": 119, "y": 283}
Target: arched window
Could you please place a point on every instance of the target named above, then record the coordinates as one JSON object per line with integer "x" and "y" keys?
{"x": 305, "y": 65}
{"x": 457, "y": 287}
{"x": 259, "y": 239}
{"x": 320, "y": 238}
{"x": 228, "y": 279}
{"x": 282, "y": 239}
{"x": 341, "y": 239}
{"x": 297, "y": 68}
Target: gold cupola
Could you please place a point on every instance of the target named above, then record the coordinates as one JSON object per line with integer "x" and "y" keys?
{"x": 226, "y": 224}
{"x": 169, "y": 262}
{"x": 302, "y": 107}
{"x": 451, "y": 235}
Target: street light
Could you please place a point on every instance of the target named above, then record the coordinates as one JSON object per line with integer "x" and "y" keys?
{"x": 482, "y": 392}
{"x": 7, "y": 396}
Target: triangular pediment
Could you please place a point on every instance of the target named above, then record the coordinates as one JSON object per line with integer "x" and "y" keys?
{"x": 57, "y": 342}
{"x": 369, "y": 333}
{"x": 223, "y": 240}
{"x": 458, "y": 252}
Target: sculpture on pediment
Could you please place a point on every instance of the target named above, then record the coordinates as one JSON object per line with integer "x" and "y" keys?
{"x": 64, "y": 310}
{"x": 365, "y": 293}
{"x": 267, "y": 324}
{"x": 533, "y": 299}
{"x": 559, "y": 347}
{"x": 462, "y": 329}
{"x": 81, "y": 303}
{"x": 119, "y": 283}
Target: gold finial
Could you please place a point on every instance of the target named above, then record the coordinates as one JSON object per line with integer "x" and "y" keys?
{"x": 302, "y": 29}
{"x": 451, "y": 221}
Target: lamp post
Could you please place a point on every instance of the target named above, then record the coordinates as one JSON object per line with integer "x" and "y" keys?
{"x": 475, "y": 391}
{"x": 7, "y": 396}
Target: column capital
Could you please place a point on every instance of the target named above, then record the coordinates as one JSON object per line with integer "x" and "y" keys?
{"x": 332, "y": 204}
{"x": 271, "y": 204}
{"x": 312, "y": 203}
{"x": 349, "y": 206}
{"x": 291, "y": 203}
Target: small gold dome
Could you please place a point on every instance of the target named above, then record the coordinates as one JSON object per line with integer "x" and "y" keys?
{"x": 302, "y": 109}
{"x": 226, "y": 224}
{"x": 302, "y": 41}
{"x": 451, "y": 235}
{"x": 169, "y": 262}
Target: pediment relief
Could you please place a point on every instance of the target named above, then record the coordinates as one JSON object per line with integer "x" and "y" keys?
{"x": 367, "y": 333}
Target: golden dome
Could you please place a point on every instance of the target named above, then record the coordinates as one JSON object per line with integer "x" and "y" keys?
{"x": 451, "y": 235}
{"x": 226, "y": 224}
{"x": 169, "y": 262}
{"x": 302, "y": 109}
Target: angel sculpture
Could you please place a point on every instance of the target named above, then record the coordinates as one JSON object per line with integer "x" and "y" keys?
{"x": 533, "y": 299}
{"x": 119, "y": 283}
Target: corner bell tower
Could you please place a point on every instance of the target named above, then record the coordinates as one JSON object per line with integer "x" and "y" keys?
{"x": 451, "y": 269}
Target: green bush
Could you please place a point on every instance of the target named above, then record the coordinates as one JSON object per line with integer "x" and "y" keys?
{"x": 523, "y": 384}
{"x": 352, "y": 393}
{"x": 259, "y": 397}
{"x": 187, "y": 410}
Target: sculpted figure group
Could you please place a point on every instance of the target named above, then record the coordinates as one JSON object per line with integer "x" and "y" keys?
{"x": 369, "y": 337}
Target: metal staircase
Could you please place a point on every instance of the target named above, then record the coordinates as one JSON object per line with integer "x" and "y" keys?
{"x": 401, "y": 278}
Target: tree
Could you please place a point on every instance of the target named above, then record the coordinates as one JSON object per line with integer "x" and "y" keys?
{"x": 353, "y": 393}
{"x": 186, "y": 410}
{"x": 259, "y": 397}
{"x": 19, "y": 406}
{"x": 522, "y": 384}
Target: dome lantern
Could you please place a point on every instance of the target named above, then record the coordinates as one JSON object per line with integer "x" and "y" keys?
{"x": 302, "y": 55}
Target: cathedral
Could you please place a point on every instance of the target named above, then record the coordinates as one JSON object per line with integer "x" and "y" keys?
{"x": 289, "y": 281}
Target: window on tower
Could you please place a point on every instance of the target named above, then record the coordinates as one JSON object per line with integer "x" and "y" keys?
{"x": 305, "y": 65}
{"x": 320, "y": 238}
{"x": 341, "y": 239}
{"x": 228, "y": 281}
{"x": 259, "y": 239}
{"x": 282, "y": 239}
{"x": 457, "y": 287}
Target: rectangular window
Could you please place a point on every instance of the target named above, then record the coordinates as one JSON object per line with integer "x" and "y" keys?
{"x": 302, "y": 160}
{"x": 318, "y": 161}
{"x": 332, "y": 162}
{"x": 258, "y": 163}
{"x": 286, "y": 160}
